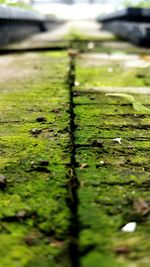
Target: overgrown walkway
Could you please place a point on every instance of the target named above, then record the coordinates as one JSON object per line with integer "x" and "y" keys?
{"x": 74, "y": 145}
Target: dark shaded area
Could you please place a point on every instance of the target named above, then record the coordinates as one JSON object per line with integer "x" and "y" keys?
{"x": 131, "y": 24}
{"x": 73, "y": 201}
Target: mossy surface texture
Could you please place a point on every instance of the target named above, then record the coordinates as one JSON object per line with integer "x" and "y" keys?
{"x": 112, "y": 153}
{"x": 74, "y": 158}
{"x": 113, "y": 176}
{"x": 33, "y": 144}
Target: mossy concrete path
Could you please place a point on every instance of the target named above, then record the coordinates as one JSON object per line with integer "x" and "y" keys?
{"x": 75, "y": 150}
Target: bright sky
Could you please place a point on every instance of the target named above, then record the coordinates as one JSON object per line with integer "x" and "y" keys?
{"x": 81, "y": 10}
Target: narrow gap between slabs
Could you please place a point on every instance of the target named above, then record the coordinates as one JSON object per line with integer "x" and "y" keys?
{"x": 73, "y": 185}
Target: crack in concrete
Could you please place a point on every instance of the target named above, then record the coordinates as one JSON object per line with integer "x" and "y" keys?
{"x": 73, "y": 185}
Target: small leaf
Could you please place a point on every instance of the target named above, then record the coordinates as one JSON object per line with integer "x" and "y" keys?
{"x": 136, "y": 105}
{"x": 139, "y": 107}
{"x": 125, "y": 96}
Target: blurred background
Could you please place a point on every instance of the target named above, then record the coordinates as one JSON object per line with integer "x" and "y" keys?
{"x": 76, "y": 9}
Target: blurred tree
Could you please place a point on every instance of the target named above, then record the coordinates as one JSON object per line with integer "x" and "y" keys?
{"x": 18, "y": 3}
{"x": 144, "y": 3}
{"x": 140, "y": 3}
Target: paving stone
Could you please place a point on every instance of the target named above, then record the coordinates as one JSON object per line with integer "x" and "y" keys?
{"x": 116, "y": 173}
{"x": 33, "y": 212}
{"x": 81, "y": 175}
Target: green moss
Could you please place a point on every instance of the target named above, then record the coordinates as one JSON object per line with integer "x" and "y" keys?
{"x": 33, "y": 212}
{"x": 75, "y": 35}
{"x": 98, "y": 76}
{"x": 35, "y": 155}
{"x": 99, "y": 259}
{"x": 113, "y": 174}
